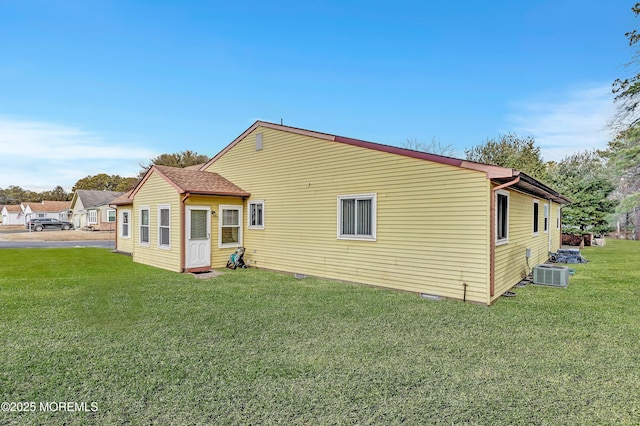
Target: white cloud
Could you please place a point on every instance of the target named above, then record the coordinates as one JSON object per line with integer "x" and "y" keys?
{"x": 566, "y": 123}
{"x": 39, "y": 156}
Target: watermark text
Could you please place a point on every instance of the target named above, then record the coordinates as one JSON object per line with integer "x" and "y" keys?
{"x": 49, "y": 406}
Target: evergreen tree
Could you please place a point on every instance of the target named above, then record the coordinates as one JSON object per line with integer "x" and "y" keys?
{"x": 510, "y": 151}
{"x": 585, "y": 179}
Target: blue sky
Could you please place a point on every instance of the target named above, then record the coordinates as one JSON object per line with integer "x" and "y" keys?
{"x": 90, "y": 87}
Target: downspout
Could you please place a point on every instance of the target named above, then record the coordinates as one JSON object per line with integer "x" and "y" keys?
{"x": 549, "y": 225}
{"x": 182, "y": 231}
{"x": 492, "y": 235}
{"x": 560, "y": 242}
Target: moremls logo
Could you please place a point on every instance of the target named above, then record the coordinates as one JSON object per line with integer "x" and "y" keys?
{"x": 68, "y": 406}
{"x": 49, "y": 406}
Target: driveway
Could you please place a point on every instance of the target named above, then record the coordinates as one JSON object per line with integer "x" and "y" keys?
{"x": 15, "y": 237}
{"x": 56, "y": 244}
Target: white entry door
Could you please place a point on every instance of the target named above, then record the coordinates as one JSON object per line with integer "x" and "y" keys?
{"x": 198, "y": 235}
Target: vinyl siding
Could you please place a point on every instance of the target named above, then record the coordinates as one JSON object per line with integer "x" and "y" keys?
{"x": 78, "y": 219}
{"x": 104, "y": 218}
{"x": 13, "y": 218}
{"x": 219, "y": 256}
{"x": 154, "y": 192}
{"x": 432, "y": 219}
{"x": 511, "y": 261}
{"x": 125, "y": 245}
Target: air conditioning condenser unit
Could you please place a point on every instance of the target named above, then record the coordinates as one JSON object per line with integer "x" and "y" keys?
{"x": 553, "y": 275}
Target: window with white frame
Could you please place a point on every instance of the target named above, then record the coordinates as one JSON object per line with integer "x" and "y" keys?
{"x": 558, "y": 218}
{"x": 230, "y": 226}
{"x": 41, "y": 215}
{"x": 546, "y": 218}
{"x": 357, "y": 216}
{"x": 111, "y": 215}
{"x": 164, "y": 229}
{"x": 92, "y": 217}
{"x": 536, "y": 216}
{"x": 124, "y": 223}
{"x": 256, "y": 215}
{"x": 144, "y": 225}
{"x": 502, "y": 217}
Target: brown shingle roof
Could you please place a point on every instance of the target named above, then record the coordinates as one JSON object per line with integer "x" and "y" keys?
{"x": 50, "y": 206}
{"x": 123, "y": 200}
{"x": 198, "y": 182}
{"x": 13, "y": 208}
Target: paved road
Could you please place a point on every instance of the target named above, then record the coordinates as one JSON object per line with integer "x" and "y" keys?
{"x": 56, "y": 244}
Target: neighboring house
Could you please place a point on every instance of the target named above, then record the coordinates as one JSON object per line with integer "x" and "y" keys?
{"x": 91, "y": 210}
{"x": 322, "y": 205}
{"x": 13, "y": 214}
{"x": 48, "y": 209}
{"x": 20, "y": 214}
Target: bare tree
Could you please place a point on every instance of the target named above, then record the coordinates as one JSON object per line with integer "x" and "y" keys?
{"x": 433, "y": 147}
{"x": 627, "y": 90}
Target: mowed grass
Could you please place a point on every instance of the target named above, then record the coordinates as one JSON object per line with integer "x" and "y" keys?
{"x": 149, "y": 346}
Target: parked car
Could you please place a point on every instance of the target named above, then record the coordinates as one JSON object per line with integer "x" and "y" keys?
{"x": 48, "y": 223}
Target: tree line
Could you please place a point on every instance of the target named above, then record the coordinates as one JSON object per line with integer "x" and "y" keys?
{"x": 100, "y": 182}
{"x": 602, "y": 184}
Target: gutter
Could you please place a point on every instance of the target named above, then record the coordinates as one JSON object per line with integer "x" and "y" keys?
{"x": 492, "y": 233}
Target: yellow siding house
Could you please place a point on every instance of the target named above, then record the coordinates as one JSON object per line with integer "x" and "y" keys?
{"x": 317, "y": 204}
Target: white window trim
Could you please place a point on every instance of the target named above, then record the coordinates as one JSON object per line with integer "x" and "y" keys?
{"x": 114, "y": 215}
{"x": 535, "y": 223}
{"x": 249, "y": 226}
{"x": 220, "y": 216}
{"x": 92, "y": 217}
{"x": 558, "y": 219}
{"x": 164, "y": 207}
{"x": 545, "y": 218}
{"x": 122, "y": 212}
{"x": 507, "y": 194}
{"x": 140, "y": 225}
{"x": 374, "y": 223}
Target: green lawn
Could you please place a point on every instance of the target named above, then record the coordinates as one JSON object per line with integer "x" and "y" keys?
{"x": 147, "y": 346}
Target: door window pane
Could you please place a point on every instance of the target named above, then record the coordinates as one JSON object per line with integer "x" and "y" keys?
{"x": 198, "y": 224}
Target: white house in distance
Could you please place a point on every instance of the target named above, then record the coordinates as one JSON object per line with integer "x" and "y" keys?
{"x": 20, "y": 214}
{"x": 13, "y": 215}
{"x": 91, "y": 210}
{"x": 48, "y": 209}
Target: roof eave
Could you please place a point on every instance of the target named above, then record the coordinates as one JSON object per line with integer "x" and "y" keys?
{"x": 533, "y": 187}
{"x": 491, "y": 172}
{"x": 220, "y": 193}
